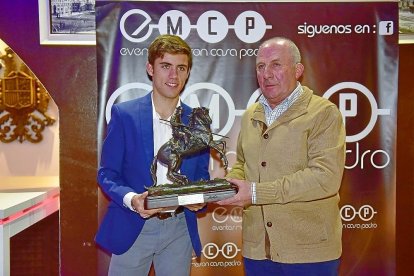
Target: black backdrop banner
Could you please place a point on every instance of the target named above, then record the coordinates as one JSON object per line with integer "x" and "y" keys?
{"x": 350, "y": 53}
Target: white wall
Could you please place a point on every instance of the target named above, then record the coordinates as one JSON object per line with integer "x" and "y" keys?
{"x": 28, "y": 162}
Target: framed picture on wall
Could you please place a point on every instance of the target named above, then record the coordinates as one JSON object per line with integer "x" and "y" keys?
{"x": 68, "y": 22}
{"x": 406, "y": 21}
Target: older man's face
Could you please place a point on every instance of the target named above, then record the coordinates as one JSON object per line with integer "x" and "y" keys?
{"x": 277, "y": 73}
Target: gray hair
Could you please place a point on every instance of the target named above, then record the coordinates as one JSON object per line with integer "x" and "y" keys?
{"x": 294, "y": 50}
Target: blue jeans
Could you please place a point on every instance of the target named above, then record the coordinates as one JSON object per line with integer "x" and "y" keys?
{"x": 268, "y": 267}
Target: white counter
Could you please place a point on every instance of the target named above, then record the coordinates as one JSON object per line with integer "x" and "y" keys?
{"x": 20, "y": 209}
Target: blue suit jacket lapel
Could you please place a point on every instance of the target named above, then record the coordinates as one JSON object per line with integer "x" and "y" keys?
{"x": 145, "y": 116}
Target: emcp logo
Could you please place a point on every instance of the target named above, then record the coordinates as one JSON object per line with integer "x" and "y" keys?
{"x": 212, "y": 26}
{"x": 219, "y": 98}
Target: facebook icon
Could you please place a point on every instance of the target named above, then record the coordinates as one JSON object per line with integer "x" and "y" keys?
{"x": 386, "y": 27}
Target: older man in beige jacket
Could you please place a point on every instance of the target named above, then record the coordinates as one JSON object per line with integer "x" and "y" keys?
{"x": 290, "y": 160}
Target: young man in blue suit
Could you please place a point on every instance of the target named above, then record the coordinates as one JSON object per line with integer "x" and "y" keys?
{"x": 137, "y": 237}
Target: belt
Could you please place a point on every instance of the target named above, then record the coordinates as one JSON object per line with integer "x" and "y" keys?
{"x": 165, "y": 215}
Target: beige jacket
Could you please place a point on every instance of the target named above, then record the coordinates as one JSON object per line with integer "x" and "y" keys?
{"x": 297, "y": 163}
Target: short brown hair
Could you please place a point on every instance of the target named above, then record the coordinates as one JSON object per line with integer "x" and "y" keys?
{"x": 170, "y": 44}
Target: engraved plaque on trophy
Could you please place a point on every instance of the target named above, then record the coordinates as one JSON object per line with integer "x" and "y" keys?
{"x": 187, "y": 140}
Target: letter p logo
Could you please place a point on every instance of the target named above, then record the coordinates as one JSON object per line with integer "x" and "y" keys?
{"x": 348, "y": 105}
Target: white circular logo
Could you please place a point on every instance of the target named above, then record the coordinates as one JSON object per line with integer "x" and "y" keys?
{"x": 220, "y": 214}
{"x": 212, "y": 26}
{"x": 352, "y": 111}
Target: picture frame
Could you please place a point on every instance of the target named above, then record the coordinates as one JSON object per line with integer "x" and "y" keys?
{"x": 406, "y": 39}
{"x": 406, "y": 24}
{"x": 70, "y": 25}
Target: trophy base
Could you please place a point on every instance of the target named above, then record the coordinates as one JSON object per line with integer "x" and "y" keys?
{"x": 193, "y": 193}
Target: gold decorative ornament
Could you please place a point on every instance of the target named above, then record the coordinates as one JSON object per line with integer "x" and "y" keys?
{"x": 23, "y": 102}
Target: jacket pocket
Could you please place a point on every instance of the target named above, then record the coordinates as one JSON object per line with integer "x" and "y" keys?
{"x": 307, "y": 228}
{"x": 253, "y": 229}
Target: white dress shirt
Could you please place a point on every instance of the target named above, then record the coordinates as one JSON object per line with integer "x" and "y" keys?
{"x": 162, "y": 133}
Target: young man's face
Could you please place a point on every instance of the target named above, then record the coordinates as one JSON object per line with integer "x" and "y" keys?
{"x": 169, "y": 75}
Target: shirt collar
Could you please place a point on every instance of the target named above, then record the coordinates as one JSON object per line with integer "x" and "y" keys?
{"x": 288, "y": 100}
{"x": 155, "y": 114}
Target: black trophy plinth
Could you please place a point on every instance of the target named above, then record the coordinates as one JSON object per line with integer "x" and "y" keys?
{"x": 192, "y": 193}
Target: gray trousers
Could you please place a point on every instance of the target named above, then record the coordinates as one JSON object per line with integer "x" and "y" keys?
{"x": 166, "y": 243}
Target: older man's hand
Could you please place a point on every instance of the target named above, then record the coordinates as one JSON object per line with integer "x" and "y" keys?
{"x": 243, "y": 196}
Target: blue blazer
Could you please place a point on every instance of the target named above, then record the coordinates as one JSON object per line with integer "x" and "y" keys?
{"x": 127, "y": 154}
